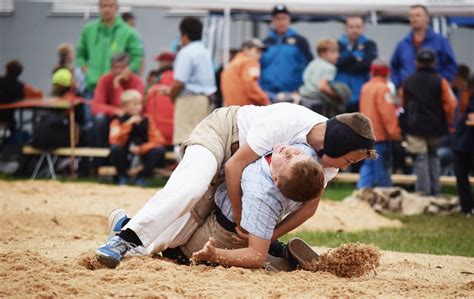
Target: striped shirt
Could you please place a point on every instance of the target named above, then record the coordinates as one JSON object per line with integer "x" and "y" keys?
{"x": 263, "y": 205}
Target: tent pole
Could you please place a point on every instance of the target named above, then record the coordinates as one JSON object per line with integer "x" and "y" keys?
{"x": 226, "y": 41}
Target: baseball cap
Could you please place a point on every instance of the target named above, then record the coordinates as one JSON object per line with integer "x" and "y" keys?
{"x": 280, "y": 8}
{"x": 380, "y": 67}
{"x": 62, "y": 77}
{"x": 426, "y": 55}
{"x": 254, "y": 43}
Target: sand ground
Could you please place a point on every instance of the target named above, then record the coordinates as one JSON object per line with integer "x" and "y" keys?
{"x": 49, "y": 230}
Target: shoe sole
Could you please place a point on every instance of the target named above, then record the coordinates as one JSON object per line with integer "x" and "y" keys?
{"x": 113, "y": 218}
{"x": 106, "y": 260}
{"x": 301, "y": 251}
{"x": 278, "y": 264}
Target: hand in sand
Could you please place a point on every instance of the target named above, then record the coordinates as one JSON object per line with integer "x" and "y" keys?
{"x": 207, "y": 252}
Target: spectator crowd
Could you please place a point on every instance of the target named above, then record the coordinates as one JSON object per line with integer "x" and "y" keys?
{"x": 420, "y": 102}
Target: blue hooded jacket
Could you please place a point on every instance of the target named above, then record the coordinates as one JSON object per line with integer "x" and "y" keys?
{"x": 404, "y": 57}
{"x": 353, "y": 65}
{"x": 284, "y": 61}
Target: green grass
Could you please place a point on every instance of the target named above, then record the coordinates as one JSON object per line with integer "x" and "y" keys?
{"x": 338, "y": 191}
{"x": 442, "y": 235}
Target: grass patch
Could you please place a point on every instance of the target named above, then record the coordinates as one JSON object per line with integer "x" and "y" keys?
{"x": 338, "y": 191}
{"x": 442, "y": 235}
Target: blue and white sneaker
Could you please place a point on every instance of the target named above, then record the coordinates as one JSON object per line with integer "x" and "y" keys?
{"x": 111, "y": 253}
{"x": 116, "y": 220}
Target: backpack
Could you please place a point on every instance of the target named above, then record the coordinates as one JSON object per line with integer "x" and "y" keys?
{"x": 50, "y": 131}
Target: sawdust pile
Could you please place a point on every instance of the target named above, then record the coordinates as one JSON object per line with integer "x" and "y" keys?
{"x": 349, "y": 260}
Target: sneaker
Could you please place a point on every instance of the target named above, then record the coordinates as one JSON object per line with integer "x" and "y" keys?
{"x": 111, "y": 253}
{"x": 116, "y": 220}
{"x": 301, "y": 251}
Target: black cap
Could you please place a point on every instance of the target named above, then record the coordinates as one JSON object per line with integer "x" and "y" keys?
{"x": 254, "y": 43}
{"x": 426, "y": 55}
{"x": 280, "y": 8}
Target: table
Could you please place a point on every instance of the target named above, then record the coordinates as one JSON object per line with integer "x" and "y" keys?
{"x": 67, "y": 103}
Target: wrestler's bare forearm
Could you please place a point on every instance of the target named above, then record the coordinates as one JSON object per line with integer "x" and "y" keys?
{"x": 296, "y": 218}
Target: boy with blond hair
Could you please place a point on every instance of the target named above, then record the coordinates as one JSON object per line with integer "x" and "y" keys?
{"x": 319, "y": 92}
{"x": 132, "y": 134}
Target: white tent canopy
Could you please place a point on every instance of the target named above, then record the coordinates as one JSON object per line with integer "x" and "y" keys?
{"x": 315, "y": 7}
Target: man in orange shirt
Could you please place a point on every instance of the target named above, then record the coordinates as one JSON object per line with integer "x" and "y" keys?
{"x": 239, "y": 80}
{"x": 376, "y": 102}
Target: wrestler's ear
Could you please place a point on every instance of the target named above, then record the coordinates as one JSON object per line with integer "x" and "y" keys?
{"x": 276, "y": 180}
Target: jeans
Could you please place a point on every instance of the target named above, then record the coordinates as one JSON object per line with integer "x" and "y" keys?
{"x": 427, "y": 170}
{"x": 121, "y": 158}
{"x": 376, "y": 173}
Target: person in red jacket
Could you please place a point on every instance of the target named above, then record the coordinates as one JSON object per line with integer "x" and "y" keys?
{"x": 158, "y": 106}
{"x": 108, "y": 93}
{"x": 376, "y": 102}
{"x": 135, "y": 135}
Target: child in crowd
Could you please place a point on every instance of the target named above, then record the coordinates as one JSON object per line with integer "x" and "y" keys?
{"x": 66, "y": 77}
{"x": 134, "y": 135}
{"x": 298, "y": 178}
{"x": 429, "y": 106}
{"x": 377, "y": 103}
{"x": 319, "y": 92}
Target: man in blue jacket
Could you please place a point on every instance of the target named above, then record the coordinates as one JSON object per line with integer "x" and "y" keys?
{"x": 356, "y": 53}
{"x": 287, "y": 55}
{"x": 421, "y": 36}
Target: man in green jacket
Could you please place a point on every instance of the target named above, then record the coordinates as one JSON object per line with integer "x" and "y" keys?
{"x": 102, "y": 38}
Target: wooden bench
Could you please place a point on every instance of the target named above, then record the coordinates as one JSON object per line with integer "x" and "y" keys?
{"x": 399, "y": 179}
{"x": 51, "y": 156}
{"x": 108, "y": 171}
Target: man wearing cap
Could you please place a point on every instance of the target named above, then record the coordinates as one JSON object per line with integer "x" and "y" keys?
{"x": 421, "y": 36}
{"x": 429, "y": 105}
{"x": 356, "y": 53}
{"x": 239, "y": 80}
{"x": 377, "y": 103}
{"x": 287, "y": 55}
